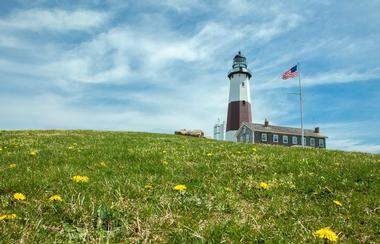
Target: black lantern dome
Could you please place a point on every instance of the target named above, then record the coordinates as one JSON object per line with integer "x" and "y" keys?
{"x": 239, "y": 66}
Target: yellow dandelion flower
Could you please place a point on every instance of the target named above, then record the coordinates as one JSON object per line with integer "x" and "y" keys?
{"x": 210, "y": 154}
{"x": 70, "y": 147}
{"x": 180, "y": 188}
{"x": 1, "y": 149}
{"x": 11, "y": 216}
{"x": 80, "y": 179}
{"x": 12, "y": 166}
{"x": 164, "y": 151}
{"x": 164, "y": 162}
{"x": 338, "y": 203}
{"x": 55, "y": 198}
{"x": 148, "y": 187}
{"x": 19, "y": 196}
{"x": 254, "y": 149}
{"x": 264, "y": 185}
{"x": 326, "y": 234}
{"x": 33, "y": 153}
{"x": 7, "y": 216}
{"x": 228, "y": 189}
{"x": 103, "y": 164}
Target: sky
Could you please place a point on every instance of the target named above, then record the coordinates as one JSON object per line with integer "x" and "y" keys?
{"x": 159, "y": 66}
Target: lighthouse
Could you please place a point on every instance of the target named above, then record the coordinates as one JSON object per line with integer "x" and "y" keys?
{"x": 239, "y": 101}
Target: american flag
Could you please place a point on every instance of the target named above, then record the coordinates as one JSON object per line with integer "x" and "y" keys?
{"x": 290, "y": 73}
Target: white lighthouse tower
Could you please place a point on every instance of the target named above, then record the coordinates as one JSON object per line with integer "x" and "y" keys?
{"x": 239, "y": 102}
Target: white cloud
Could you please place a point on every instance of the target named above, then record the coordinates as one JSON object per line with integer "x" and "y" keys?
{"x": 352, "y": 136}
{"x": 355, "y": 145}
{"x": 178, "y": 5}
{"x": 55, "y": 19}
{"x": 282, "y": 23}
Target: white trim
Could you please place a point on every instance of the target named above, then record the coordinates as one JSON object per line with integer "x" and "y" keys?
{"x": 275, "y": 138}
{"x": 287, "y": 139}
{"x": 321, "y": 143}
{"x": 264, "y": 137}
{"x": 294, "y": 140}
{"x": 312, "y": 142}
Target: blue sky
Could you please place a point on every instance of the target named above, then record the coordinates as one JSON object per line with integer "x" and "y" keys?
{"x": 159, "y": 66}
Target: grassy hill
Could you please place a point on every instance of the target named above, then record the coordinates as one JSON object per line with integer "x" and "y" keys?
{"x": 235, "y": 192}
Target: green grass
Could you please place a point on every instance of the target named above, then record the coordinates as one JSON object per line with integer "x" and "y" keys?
{"x": 115, "y": 206}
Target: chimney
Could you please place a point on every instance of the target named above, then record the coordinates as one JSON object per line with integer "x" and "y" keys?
{"x": 316, "y": 130}
{"x": 266, "y": 123}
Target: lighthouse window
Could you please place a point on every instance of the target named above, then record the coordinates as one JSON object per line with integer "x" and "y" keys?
{"x": 243, "y": 102}
{"x": 242, "y": 84}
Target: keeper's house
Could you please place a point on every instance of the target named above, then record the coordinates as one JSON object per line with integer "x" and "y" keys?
{"x": 279, "y": 135}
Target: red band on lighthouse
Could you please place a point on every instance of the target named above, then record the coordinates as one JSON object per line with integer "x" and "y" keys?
{"x": 238, "y": 112}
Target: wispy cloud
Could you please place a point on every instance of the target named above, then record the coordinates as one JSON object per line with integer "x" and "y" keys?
{"x": 52, "y": 19}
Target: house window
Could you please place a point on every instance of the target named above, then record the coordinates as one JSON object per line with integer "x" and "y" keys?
{"x": 264, "y": 137}
{"x": 247, "y": 137}
{"x": 312, "y": 142}
{"x": 294, "y": 140}
{"x": 285, "y": 139}
{"x": 321, "y": 143}
{"x": 275, "y": 138}
{"x": 304, "y": 141}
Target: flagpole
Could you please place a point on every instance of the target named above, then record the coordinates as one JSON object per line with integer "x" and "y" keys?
{"x": 301, "y": 106}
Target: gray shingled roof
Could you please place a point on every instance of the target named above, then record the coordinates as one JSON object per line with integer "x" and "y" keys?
{"x": 282, "y": 130}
